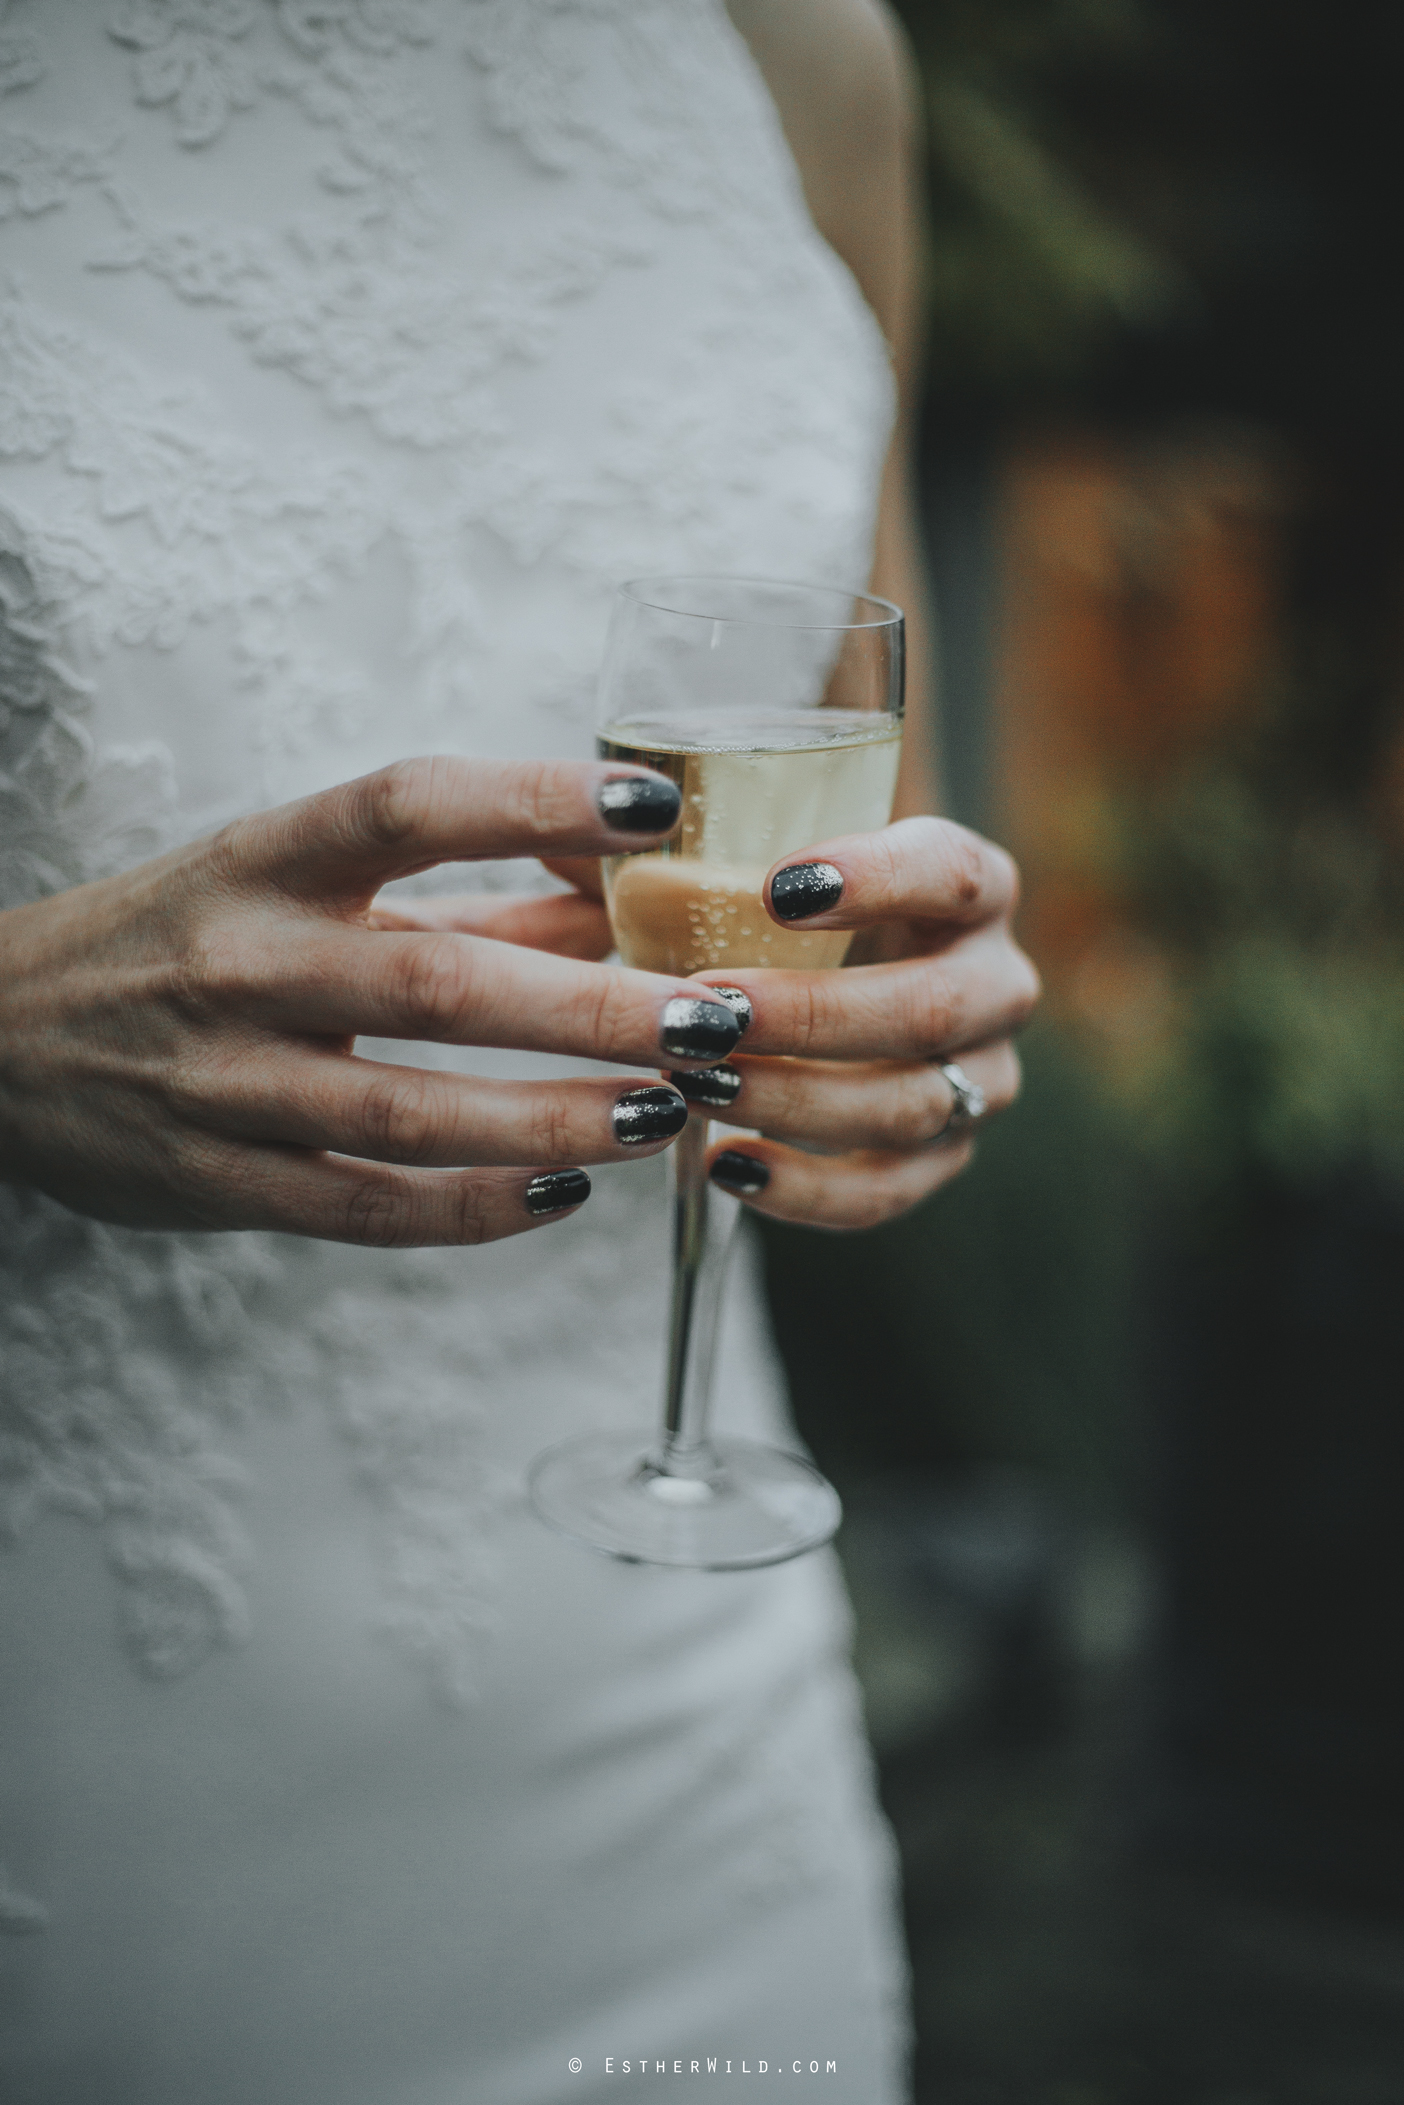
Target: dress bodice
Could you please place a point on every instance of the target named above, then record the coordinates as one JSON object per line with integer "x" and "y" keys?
{"x": 354, "y": 351}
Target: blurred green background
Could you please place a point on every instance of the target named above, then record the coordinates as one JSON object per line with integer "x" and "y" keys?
{"x": 1118, "y": 1417}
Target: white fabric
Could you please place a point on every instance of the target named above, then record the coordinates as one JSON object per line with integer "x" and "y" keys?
{"x": 350, "y": 352}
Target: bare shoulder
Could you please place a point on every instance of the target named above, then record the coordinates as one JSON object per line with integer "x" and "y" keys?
{"x": 844, "y": 85}
{"x": 832, "y": 62}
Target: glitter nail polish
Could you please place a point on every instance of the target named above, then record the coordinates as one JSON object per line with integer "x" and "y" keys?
{"x": 557, "y": 1189}
{"x": 641, "y": 1115}
{"x": 639, "y": 804}
{"x": 698, "y": 1030}
{"x": 805, "y": 888}
{"x": 717, "y": 1086}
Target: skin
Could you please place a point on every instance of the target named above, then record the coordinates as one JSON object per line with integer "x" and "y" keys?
{"x": 177, "y": 1043}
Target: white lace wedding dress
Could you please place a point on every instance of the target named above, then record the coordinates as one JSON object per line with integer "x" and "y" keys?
{"x": 350, "y": 352}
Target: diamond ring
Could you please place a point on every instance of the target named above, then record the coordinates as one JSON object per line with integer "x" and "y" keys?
{"x": 969, "y": 1106}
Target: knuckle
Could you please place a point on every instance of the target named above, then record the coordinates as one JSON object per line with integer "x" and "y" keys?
{"x": 1006, "y": 1088}
{"x": 605, "y": 1014}
{"x": 887, "y": 877}
{"x": 916, "y": 1113}
{"x": 232, "y": 852}
{"x": 965, "y": 861}
{"x": 391, "y": 803}
{"x": 954, "y": 858}
{"x": 812, "y": 1007}
{"x": 402, "y": 1119}
{"x": 542, "y": 802}
{"x": 214, "y": 971}
{"x": 193, "y": 1087}
{"x": 376, "y": 1213}
{"x": 779, "y": 1095}
{"x": 472, "y": 1213}
{"x": 181, "y": 1088}
{"x": 198, "y": 1169}
{"x": 935, "y": 1008}
{"x": 433, "y": 982}
{"x": 1029, "y": 989}
{"x": 553, "y": 1136}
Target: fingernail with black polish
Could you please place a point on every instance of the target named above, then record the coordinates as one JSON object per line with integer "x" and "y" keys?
{"x": 640, "y": 1115}
{"x": 698, "y": 1030}
{"x": 737, "y": 1172}
{"x": 718, "y": 1086}
{"x": 639, "y": 804}
{"x": 556, "y": 1190}
{"x": 739, "y": 1005}
{"x": 805, "y": 888}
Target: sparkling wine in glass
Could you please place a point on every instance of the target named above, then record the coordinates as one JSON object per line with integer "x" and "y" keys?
{"x": 777, "y": 710}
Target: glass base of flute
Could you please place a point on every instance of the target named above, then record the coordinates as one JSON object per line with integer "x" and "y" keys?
{"x": 690, "y": 1500}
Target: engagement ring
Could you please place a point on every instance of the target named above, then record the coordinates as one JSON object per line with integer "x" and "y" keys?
{"x": 969, "y": 1106}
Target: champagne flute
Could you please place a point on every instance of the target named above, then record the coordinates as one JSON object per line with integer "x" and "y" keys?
{"x": 777, "y": 710}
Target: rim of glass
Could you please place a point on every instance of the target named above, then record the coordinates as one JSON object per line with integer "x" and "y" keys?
{"x": 640, "y": 590}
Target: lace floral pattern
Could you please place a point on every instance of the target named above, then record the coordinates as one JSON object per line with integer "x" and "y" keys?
{"x": 428, "y": 353}
{"x": 20, "y": 61}
{"x": 188, "y": 55}
{"x": 122, "y": 1355}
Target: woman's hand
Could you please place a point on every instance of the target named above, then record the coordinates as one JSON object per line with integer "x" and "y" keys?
{"x": 176, "y": 1044}
{"x": 851, "y": 1100}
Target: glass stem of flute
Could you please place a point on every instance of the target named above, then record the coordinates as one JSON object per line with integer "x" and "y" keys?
{"x": 701, "y": 1239}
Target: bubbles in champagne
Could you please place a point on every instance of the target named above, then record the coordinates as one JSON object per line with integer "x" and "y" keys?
{"x": 752, "y": 792}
